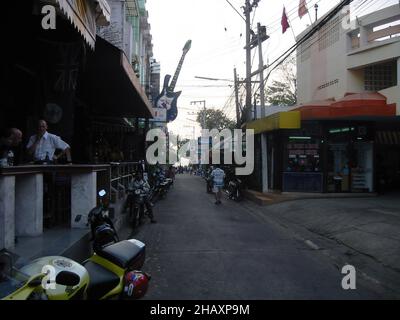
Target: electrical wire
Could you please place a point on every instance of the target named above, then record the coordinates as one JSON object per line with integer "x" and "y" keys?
{"x": 308, "y": 35}
{"x": 356, "y": 11}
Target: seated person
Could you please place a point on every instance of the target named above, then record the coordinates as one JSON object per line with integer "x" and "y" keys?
{"x": 9, "y": 140}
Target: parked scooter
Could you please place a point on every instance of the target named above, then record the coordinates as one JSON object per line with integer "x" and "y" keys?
{"x": 234, "y": 189}
{"x": 161, "y": 186}
{"x": 110, "y": 273}
{"x": 101, "y": 226}
{"x": 136, "y": 206}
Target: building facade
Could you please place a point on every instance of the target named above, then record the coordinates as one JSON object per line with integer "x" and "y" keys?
{"x": 347, "y": 137}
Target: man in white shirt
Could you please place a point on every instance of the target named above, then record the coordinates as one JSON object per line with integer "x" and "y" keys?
{"x": 218, "y": 176}
{"x": 43, "y": 145}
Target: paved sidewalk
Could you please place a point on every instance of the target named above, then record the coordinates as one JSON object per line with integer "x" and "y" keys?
{"x": 368, "y": 227}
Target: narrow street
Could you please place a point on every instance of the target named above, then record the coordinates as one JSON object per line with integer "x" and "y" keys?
{"x": 198, "y": 250}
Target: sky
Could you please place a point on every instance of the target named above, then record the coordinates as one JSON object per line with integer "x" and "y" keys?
{"x": 218, "y": 39}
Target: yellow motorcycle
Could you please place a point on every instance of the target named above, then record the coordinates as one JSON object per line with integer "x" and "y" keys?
{"x": 112, "y": 272}
{"x": 109, "y": 274}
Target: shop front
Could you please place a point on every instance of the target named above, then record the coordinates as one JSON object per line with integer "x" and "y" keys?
{"x": 329, "y": 156}
{"x": 302, "y": 167}
{"x": 335, "y": 151}
{"x": 351, "y": 145}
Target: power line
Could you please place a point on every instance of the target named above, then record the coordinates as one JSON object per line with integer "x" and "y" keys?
{"x": 235, "y": 10}
{"x": 356, "y": 10}
{"x": 308, "y": 35}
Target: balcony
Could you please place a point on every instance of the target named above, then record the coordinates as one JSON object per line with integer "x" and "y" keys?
{"x": 375, "y": 39}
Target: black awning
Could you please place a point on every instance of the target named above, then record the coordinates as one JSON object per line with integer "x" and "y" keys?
{"x": 110, "y": 86}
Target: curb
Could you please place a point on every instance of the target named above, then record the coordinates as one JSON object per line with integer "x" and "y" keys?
{"x": 263, "y": 199}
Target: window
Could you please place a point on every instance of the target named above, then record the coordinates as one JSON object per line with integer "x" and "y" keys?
{"x": 380, "y": 76}
{"x": 302, "y": 154}
{"x": 329, "y": 34}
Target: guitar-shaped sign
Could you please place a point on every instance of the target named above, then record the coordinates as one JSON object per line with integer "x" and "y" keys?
{"x": 168, "y": 98}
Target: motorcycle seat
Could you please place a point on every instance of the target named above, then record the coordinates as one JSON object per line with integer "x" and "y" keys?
{"x": 125, "y": 254}
{"x": 101, "y": 280}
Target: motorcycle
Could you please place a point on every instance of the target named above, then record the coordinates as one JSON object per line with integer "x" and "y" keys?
{"x": 234, "y": 189}
{"x": 161, "y": 186}
{"x": 112, "y": 272}
{"x": 136, "y": 206}
{"x": 102, "y": 228}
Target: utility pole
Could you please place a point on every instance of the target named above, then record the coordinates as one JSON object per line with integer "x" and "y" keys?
{"x": 237, "y": 99}
{"x": 203, "y": 120}
{"x": 247, "y": 11}
{"x": 261, "y": 37}
{"x": 262, "y": 34}
{"x": 250, "y": 44}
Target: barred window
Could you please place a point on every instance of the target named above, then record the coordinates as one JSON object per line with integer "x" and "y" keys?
{"x": 380, "y": 76}
{"x": 329, "y": 34}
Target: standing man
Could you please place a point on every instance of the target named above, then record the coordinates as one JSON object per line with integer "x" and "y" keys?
{"x": 9, "y": 139}
{"x": 43, "y": 145}
{"x": 218, "y": 176}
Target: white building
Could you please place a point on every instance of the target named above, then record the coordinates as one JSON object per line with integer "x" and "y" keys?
{"x": 344, "y": 134}
{"x": 351, "y": 57}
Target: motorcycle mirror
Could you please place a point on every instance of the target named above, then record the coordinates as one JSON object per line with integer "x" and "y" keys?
{"x": 68, "y": 279}
{"x": 102, "y": 193}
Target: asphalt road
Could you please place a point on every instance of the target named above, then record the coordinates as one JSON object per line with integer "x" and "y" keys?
{"x": 198, "y": 250}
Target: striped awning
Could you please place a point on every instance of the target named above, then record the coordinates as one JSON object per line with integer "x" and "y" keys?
{"x": 103, "y": 11}
{"x": 85, "y": 15}
{"x": 388, "y": 137}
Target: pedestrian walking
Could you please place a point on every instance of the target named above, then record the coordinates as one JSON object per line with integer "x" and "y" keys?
{"x": 218, "y": 176}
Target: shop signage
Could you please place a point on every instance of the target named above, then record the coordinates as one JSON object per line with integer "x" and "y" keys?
{"x": 298, "y": 149}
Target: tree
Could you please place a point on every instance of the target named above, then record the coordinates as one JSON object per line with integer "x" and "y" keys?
{"x": 283, "y": 92}
{"x": 214, "y": 119}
